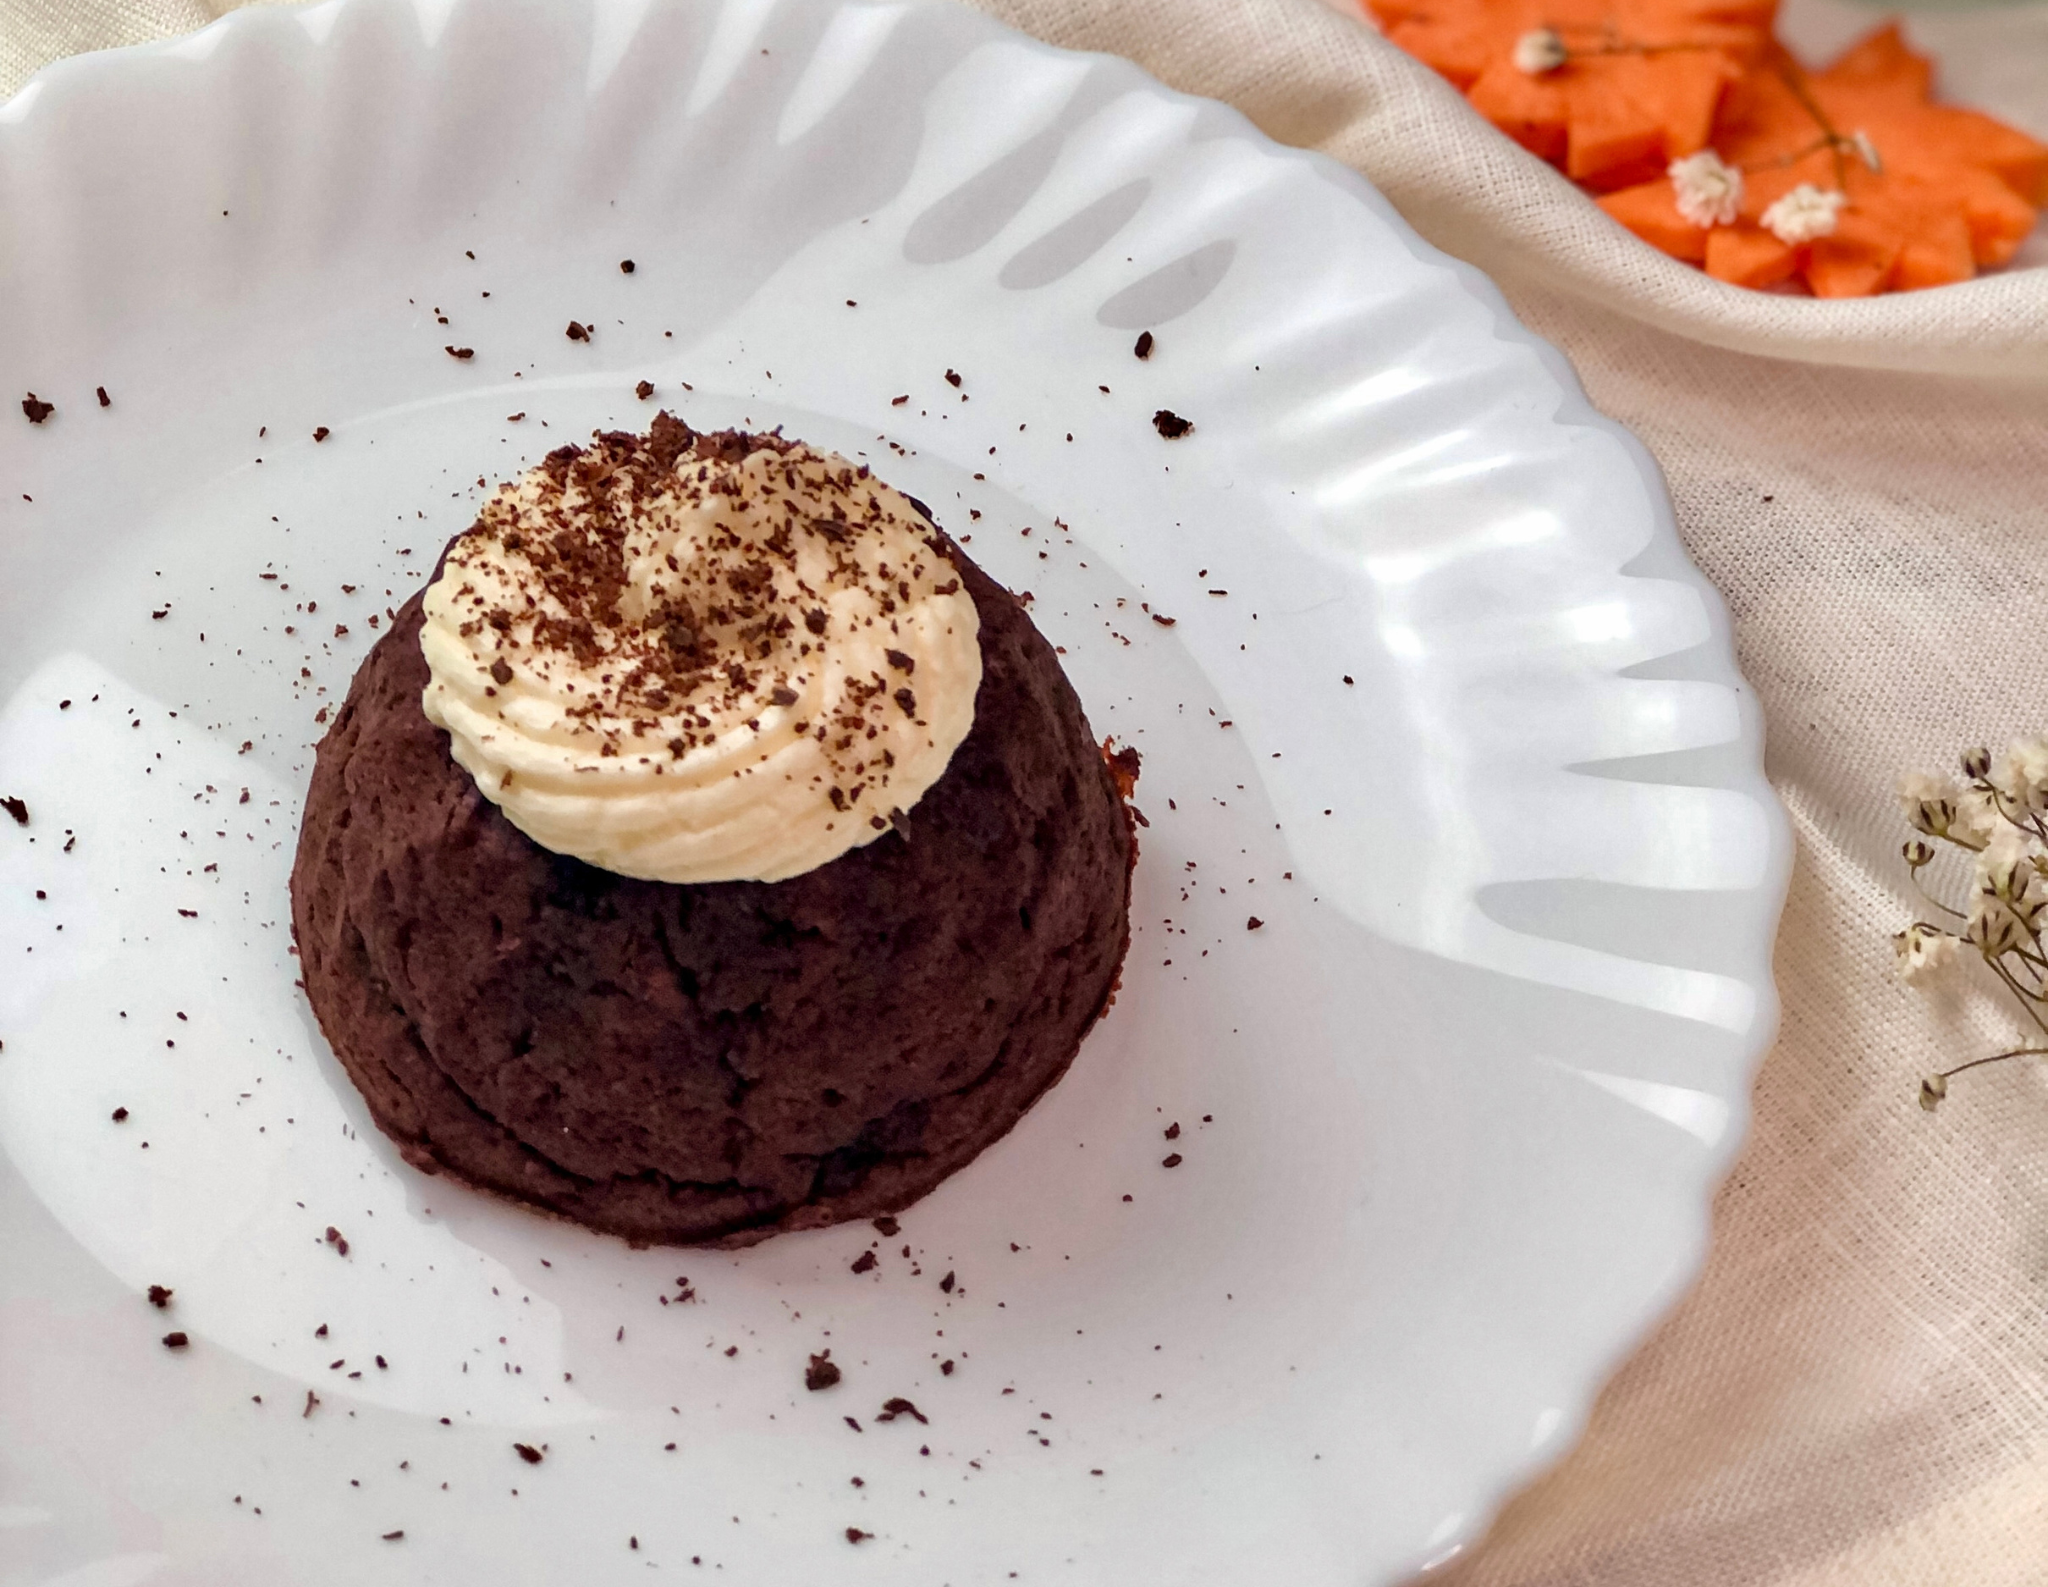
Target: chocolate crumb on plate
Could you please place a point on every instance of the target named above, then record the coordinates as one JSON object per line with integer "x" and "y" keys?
{"x": 105, "y": 400}
{"x": 1164, "y": 622}
{"x": 855, "y": 1535}
{"x": 946, "y": 1283}
{"x": 627, "y": 267}
{"x": 528, "y": 1454}
{"x": 393, "y": 1537}
{"x": 888, "y": 1227}
{"x": 18, "y": 808}
{"x": 1170, "y": 424}
{"x": 321, "y": 433}
{"x": 1170, "y": 1160}
{"x": 159, "y": 1296}
{"x": 896, "y": 1406}
{"x": 1143, "y": 347}
{"x": 1172, "y": 1131}
{"x": 578, "y": 331}
{"x": 37, "y": 409}
{"x": 120, "y": 1115}
{"x": 176, "y": 1341}
{"x": 1252, "y": 923}
{"x": 822, "y": 1373}
{"x": 463, "y": 353}
{"x": 864, "y": 1263}
{"x": 644, "y": 390}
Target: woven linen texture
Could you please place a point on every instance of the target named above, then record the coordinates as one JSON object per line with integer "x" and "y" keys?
{"x": 1856, "y": 1394}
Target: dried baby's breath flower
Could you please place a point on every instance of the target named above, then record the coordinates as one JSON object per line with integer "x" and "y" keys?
{"x": 2009, "y": 870}
{"x": 1805, "y": 213}
{"x": 1540, "y": 51}
{"x": 1998, "y": 820}
{"x": 1976, "y": 818}
{"x": 1707, "y": 189}
{"x": 2022, "y": 774}
{"x": 1992, "y": 928}
{"x": 1930, "y": 802}
{"x": 1923, "y": 953}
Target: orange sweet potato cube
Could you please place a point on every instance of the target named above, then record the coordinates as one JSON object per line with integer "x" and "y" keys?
{"x": 1650, "y": 211}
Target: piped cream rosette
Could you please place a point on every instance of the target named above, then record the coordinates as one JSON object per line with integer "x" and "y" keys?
{"x": 701, "y": 658}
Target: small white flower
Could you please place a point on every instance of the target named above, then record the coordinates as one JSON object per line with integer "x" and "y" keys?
{"x": 1803, "y": 214}
{"x": 1707, "y": 188}
{"x": 1539, "y": 51}
{"x": 1993, "y": 927}
{"x": 2022, "y": 774}
{"x": 2002, "y": 857}
{"x": 1976, "y": 820}
{"x": 1866, "y": 151}
{"x": 1923, "y": 953}
{"x": 1929, "y": 803}
{"x": 2009, "y": 870}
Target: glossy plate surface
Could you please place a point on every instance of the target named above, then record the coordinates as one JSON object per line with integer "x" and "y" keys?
{"x": 1441, "y": 707}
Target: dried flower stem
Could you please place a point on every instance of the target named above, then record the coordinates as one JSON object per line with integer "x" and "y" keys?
{"x": 1619, "y": 46}
{"x": 1831, "y": 137}
{"x": 1935, "y": 1086}
{"x": 1543, "y": 49}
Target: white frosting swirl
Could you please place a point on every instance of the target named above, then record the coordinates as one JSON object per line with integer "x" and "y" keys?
{"x": 701, "y": 658}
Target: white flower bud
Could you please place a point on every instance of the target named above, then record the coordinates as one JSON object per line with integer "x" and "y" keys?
{"x": 1993, "y": 928}
{"x": 1805, "y": 213}
{"x": 1539, "y": 51}
{"x": 1923, "y": 953}
{"x": 1929, "y": 803}
{"x": 2009, "y": 870}
{"x": 1976, "y": 764}
{"x": 1976, "y": 820}
{"x": 2022, "y": 774}
{"x": 1932, "y": 1090}
{"x": 1707, "y": 189}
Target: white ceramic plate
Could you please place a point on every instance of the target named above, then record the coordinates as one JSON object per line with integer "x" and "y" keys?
{"x": 1465, "y": 734}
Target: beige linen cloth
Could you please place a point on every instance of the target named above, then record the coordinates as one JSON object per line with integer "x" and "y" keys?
{"x": 1857, "y": 1392}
